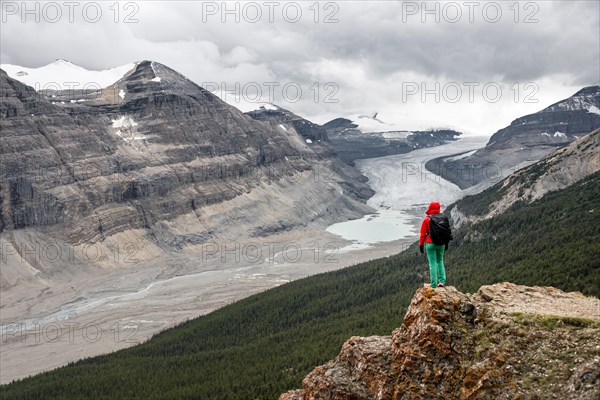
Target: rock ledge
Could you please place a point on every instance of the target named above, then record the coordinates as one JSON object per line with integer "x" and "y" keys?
{"x": 504, "y": 342}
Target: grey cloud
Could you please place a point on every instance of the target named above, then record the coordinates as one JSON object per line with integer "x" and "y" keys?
{"x": 371, "y": 35}
{"x": 374, "y": 32}
{"x": 565, "y": 40}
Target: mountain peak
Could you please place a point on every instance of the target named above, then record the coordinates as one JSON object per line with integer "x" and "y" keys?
{"x": 153, "y": 77}
{"x": 62, "y": 61}
{"x": 483, "y": 345}
{"x": 589, "y": 91}
{"x": 586, "y": 100}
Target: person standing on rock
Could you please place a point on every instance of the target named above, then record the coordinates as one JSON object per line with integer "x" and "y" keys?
{"x": 435, "y": 235}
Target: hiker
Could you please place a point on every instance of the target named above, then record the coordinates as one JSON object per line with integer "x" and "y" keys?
{"x": 435, "y": 235}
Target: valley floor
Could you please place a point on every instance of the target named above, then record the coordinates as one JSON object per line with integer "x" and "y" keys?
{"x": 119, "y": 309}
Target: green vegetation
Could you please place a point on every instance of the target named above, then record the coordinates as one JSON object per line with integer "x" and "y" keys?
{"x": 554, "y": 321}
{"x": 265, "y": 344}
{"x": 553, "y": 241}
{"x": 549, "y": 350}
{"x": 479, "y": 204}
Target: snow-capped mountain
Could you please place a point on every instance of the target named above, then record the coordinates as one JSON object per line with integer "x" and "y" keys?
{"x": 371, "y": 123}
{"x": 368, "y": 136}
{"x": 526, "y": 140}
{"x": 62, "y": 75}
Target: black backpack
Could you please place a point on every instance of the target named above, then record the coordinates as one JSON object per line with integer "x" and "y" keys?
{"x": 439, "y": 229}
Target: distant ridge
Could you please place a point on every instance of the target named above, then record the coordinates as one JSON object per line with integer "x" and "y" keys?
{"x": 526, "y": 140}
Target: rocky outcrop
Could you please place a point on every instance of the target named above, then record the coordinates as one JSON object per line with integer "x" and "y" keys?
{"x": 524, "y": 141}
{"x": 503, "y": 342}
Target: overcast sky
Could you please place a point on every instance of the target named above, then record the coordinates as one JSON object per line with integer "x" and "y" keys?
{"x": 348, "y": 57}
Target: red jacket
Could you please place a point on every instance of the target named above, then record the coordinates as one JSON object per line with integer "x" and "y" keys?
{"x": 434, "y": 208}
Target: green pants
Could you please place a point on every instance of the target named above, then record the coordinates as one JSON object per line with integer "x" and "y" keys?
{"x": 435, "y": 256}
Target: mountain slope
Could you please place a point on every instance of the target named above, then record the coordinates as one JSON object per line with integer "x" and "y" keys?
{"x": 265, "y": 344}
{"x": 160, "y": 126}
{"x": 525, "y": 140}
{"x": 311, "y": 132}
{"x": 556, "y": 171}
{"x": 354, "y": 184}
{"x": 161, "y": 148}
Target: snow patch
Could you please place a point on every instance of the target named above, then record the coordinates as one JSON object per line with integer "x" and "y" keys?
{"x": 545, "y": 134}
{"x": 560, "y": 135}
{"x": 396, "y": 134}
{"x": 127, "y": 129}
{"x": 308, "y": 141}
{"x": 269, "y": 106}
{"x": 124, "y": 122}
{"x": 283, "y": 127}
{"x": 156, "y": 77}
{"x": 122, "y": 94}
{"x": 594, "y": 110}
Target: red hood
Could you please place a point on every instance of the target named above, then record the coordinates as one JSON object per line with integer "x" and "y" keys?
{"x": 434, "y": 208}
